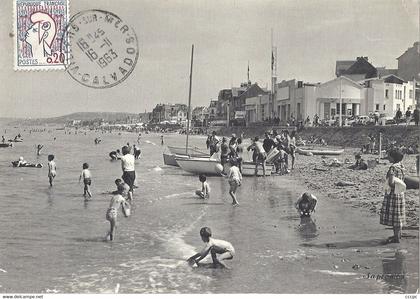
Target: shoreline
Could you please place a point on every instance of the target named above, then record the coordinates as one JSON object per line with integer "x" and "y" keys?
{"x": 366, "y": 194}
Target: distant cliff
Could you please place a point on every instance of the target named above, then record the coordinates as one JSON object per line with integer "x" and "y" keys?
{"x": 82, "y": 116}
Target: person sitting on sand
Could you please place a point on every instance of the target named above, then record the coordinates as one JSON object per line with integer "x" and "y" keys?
{"x": 204, "y": 193}
{"x": 360, "y": 164}
{"x": 112, "y": 212}
{"x": 306, "y": 204}
{"x": 223, "y": 249}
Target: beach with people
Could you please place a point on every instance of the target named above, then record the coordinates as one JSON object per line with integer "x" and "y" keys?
{"x": 60, "y": 239}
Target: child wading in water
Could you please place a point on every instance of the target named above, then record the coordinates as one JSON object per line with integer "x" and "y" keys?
{"x": 87, "y": 179}
{"x": 112, "y": 212}
{"x": 235, "y": 179}
{"x": 205, "y": 188}
{"x": 52, "y": 169}
{"x": 306, "y": 204}
{"x": 214, "y": 247}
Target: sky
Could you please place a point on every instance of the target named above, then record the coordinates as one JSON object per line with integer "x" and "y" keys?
{"x": 310, "y": 35}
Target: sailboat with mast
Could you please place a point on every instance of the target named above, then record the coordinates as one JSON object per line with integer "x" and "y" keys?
{"x": 185, "y": 152}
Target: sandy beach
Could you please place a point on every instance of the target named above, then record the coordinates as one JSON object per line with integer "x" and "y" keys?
{"x": 340, "y": 249}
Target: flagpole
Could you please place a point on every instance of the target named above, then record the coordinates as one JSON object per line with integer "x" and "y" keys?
{"x": 189, "y": 101}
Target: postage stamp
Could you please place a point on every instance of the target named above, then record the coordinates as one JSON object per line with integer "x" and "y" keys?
{"x": 39, "y": 27}
{"x": 101, "y": 49}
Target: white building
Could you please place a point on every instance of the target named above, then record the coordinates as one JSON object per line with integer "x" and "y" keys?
{"x": 388, "y": 94}
{"x": 300, "y": 100}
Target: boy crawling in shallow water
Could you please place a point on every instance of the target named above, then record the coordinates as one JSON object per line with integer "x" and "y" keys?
{"x": 223, "y": 249}
{"x": 112, "y": 212}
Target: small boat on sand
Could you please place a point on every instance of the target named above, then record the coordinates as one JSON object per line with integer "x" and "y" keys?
{"x": 199, "y": 165}
{"x": 5, "y": 144}
{"x": 321, "y": 152}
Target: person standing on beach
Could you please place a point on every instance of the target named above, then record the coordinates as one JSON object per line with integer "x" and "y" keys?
{"x": 268, "y": 143}
{"x": 260, "y": 153}
{"x": 292, "y": 148}
{"x": 161, "y": 140}
{"x": 235, "y": 180}
{"x": 393, "y": 207}
{"x": 112, "y": 212}
{"x": 38, "y": 149}
{"x": 239, "y": 153}
{"x": 224, "y": 153}
{"x": 87, "y": 179}
{"x": 129, "y": 173}
{"x": 214, "y": 143}
{"x": 416, "y": 116}
{"x": 408, "y": 116}
{"x": 52, "y": 169}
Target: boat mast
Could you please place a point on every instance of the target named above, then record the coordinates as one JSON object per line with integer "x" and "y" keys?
{"x": 189, "y": 100}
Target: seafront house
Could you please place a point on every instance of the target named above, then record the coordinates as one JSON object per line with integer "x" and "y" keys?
{"x": 257, "y": 101}
{"x": 388, "y": 94}
{"x": 200, "y": 116}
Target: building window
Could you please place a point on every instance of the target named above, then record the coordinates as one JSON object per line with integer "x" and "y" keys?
{"x": 386, "y": 93}
{"x": 398, "y": 106}
{"x": 384, "y": 107}
{"x": 377, "y": 107}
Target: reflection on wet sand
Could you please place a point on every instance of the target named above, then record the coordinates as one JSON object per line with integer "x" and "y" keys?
{"x": 307, "y": 228}
{"x": 394, "y": 272}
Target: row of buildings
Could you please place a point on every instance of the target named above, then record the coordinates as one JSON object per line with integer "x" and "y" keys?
{"x": 359, "y": 86}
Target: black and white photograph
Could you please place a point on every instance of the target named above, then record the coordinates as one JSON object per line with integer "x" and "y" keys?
{"x": 224, "y": 147}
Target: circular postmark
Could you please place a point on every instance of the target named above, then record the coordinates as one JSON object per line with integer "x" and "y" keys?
{"x": 101, "y": 50}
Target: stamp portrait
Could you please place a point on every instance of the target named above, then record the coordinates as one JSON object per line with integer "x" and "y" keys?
{"x": 39, "y": 27}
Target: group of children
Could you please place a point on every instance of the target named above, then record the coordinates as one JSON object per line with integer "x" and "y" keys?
{"x": 234, "y": 177}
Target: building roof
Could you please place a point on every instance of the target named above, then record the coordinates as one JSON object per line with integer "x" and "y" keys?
{"x": 416, "y": 46}
{"x": 383, "y": 71}
{"x": 342, "y": 65}
{"x": 346, "y": 79}
{"x": 393, "y": 79}
{"x": 361, "y": 66}
{"x": 253, "y": 91}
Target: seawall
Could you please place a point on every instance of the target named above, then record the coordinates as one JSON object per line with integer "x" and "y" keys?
{"x": 345, "y": 136}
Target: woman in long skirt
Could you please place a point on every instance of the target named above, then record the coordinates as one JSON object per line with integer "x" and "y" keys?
{"x": 393, "y": 206}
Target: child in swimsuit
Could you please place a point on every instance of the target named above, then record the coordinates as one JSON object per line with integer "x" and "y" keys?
{"x": 223, "y": 249}
{"x": 204, "y": 193}
{"x": 87, "y": 179}
{"x": 52, "y": 169}
{"x": 235, "y": 179}
{"x": 112, "y": 212}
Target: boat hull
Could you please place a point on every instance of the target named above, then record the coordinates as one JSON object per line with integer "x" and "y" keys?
{"x": 319, "y": 152}
{"x": 199, "y": 165}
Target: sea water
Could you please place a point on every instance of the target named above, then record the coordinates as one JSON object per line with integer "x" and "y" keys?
{"x": 52, "y": 240}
